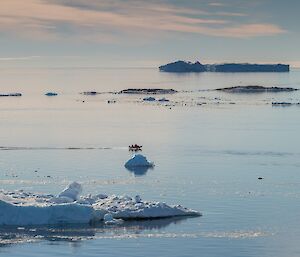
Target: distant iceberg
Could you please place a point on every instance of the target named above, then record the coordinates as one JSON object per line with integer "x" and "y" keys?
{"x": 22, "y": 208}
{"x": 183, "y": 66}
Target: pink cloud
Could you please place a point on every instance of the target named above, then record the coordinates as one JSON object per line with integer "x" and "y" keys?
{"x": 41, "y": 20}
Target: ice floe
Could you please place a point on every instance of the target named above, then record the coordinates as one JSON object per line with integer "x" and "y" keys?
{"x": 22, "y": 208}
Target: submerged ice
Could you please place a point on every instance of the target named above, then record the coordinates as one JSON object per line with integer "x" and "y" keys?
{"x": 23, "y": 208}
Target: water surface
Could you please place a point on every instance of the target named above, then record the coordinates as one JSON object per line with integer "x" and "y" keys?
{"x": 208, "y": 157}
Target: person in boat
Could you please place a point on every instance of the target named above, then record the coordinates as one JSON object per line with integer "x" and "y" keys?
{"x": 135, "y": 147}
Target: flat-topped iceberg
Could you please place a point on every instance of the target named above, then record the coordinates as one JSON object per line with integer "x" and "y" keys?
{"x": 183, "y": 66}
{"x": 22, "y": 208}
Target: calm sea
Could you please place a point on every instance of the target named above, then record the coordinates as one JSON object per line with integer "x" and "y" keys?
{"x": 209, "y": 149}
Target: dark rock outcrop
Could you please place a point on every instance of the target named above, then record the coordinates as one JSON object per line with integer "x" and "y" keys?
{"x": 284, "y": 104}
{"x": 11, "y": 94}
{"x": 90, "y": 93}
{"x": 150, "y": 91}
{"x": 256, "y": 89}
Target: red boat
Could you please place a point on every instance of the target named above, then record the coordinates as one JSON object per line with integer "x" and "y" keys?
{"x": 135, "y": 147}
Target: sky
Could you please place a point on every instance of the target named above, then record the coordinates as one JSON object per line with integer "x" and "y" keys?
{"x": 147, "y": 33}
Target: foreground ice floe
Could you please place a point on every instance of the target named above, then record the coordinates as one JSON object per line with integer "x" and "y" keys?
{"x": 23, "y": 208}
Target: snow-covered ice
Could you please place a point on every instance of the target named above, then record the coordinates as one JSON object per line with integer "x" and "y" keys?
{"x": 25, "y": 208}
{"x": 72, "y": 191}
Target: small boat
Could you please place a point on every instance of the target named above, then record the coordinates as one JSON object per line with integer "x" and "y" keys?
{"x": 135, "y": 147}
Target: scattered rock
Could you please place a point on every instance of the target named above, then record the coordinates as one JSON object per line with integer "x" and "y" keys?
{"x": 283, "y": 104}
{"x": 11, "y": 94}
{"x": 153, "y": 91}
{"x": 51, "y": 94}
{"x": 90, "y": 93}
{"x": 256, "y": 89}
{"x": 164, "y": 100}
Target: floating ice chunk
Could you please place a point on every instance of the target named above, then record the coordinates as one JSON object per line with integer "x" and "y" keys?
{"x": 51, "y": 94}
{"x": 149, "y": 99}
{"x": 138, "y": 199}
{"x": 138, "y": 160}
{"x": 109, "y": 220}
{"x": 71, "y": 191}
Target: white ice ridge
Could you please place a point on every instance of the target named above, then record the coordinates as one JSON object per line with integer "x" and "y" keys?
{"x": 21, "y": 208}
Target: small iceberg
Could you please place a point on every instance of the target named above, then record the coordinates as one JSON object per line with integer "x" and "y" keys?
{"x": 109, "y": 220}
{"x": 51, "y": 94}
{"x": 138, "y": 160}
{"x": 139, "y": 165}
{"x": 20, "y": 208}
{"x": 72, "y": 191}
{"x": 149, "y": 99}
